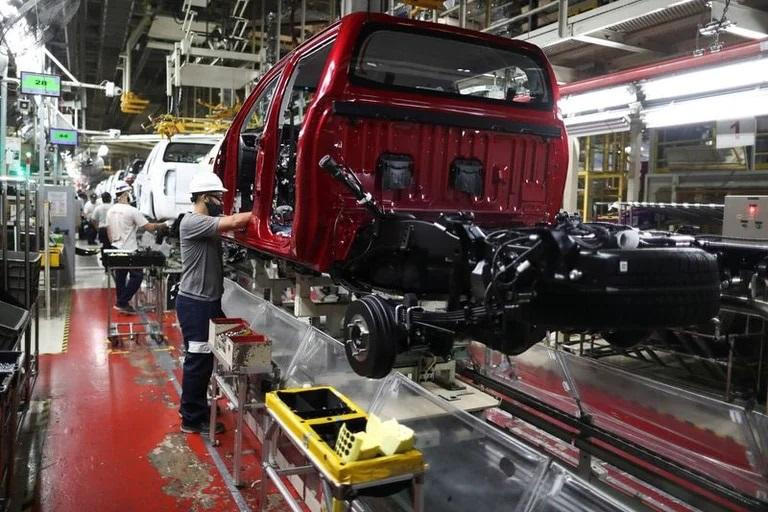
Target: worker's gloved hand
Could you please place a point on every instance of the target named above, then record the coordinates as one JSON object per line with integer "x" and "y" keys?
{"x": 161, "y": 231}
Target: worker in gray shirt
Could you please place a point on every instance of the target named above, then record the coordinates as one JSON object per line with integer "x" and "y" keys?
{"x": 200, "y": 290}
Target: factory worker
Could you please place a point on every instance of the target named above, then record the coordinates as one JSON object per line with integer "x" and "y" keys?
{"x": 123, "y": 221}
{"x": 200, "y": 290}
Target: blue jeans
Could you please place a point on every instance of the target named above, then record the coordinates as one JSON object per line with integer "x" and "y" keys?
{"x": 193, "y": 315}
{"x": 127, "y": 283}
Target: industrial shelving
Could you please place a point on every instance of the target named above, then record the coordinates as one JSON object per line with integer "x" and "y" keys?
{"x": 19, "y": 207}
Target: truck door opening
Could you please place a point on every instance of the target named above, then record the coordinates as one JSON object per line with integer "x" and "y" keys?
{"x": 298, "y": 98}
{"x": 248, "y": 147}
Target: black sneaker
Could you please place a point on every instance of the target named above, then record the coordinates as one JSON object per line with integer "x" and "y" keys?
{"x": 202, "y": 428}
{"x": 128, "y": 310}
{"x": 218, "y": 411}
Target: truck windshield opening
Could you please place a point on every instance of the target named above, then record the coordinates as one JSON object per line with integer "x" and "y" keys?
{"x": 436, "y": 64}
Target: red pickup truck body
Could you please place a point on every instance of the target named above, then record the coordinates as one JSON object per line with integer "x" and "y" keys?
{"x": 519, "y": 143}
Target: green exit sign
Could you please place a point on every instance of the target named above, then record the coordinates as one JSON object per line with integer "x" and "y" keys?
{"x": 41, "y": 84}
{"x": 63, "y": 137}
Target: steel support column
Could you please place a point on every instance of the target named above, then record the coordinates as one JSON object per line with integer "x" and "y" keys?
{"x": 303, "y": 20}
{"x": 3, "y": 111}
{"x": 562, "y": 19}
{"x": 635, "y": 159}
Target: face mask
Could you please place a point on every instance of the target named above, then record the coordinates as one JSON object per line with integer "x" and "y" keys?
{"x": 214, "y": 210}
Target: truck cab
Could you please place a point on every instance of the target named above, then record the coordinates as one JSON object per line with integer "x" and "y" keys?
{"x": 431, "y": 118}
{"x": 162, "y": 186}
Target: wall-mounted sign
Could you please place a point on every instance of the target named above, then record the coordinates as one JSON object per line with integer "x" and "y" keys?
{"x": 58, "y": 200}
{"x": 736, "y": 133}
{"x": 63, "y": 137}
{"x": 41, "y": 84}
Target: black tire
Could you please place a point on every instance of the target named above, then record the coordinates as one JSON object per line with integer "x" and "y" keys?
{"x": 630, "y": 290}
{"x": 372, "y": 353}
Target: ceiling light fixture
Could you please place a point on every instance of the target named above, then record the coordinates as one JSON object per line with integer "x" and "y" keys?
{"x": 721, "y": 78}
{"x": 597, "y": 100}
{"x": 714, "y": 108}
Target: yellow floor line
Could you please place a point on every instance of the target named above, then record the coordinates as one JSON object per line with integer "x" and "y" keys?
{"x": 65, "y": 337}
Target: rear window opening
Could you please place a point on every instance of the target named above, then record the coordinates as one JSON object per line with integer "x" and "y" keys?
{"x": 436, "y": 64}
{"x": 186, "y": 153}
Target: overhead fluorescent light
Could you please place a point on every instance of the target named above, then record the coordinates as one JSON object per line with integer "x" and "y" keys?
{"x": 714, "y": 108}
{"x": 610, "y": 115}
{"x": 597, "y": 100}
{"x": 721, "y": 78}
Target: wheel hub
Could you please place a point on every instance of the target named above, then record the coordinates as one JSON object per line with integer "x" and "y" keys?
{"x": 357, "y": 338}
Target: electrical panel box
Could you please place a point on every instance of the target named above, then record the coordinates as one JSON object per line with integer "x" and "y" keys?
{"x": 746, "y": 217}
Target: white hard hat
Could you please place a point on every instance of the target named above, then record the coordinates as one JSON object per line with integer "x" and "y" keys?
{"x": 121, "y": 187}
{"x": 206, "y": 181}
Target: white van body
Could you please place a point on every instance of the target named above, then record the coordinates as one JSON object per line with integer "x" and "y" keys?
{"x": 162, "y": 186}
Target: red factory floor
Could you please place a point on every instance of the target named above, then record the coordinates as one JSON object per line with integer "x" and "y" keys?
{"x": 107, "y": 428}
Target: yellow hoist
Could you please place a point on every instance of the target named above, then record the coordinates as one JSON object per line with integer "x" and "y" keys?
{"x": 169, "y": 125}
{"x": 217, "y": 121}
{"x": 131, "y": 103}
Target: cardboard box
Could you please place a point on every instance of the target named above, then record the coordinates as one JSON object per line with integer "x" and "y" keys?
{"x": 237, "y": 348}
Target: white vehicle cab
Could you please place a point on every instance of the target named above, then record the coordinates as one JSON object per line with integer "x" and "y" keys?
{"x": 113, "y": 181}
{"x": 105, "y": 185}
{"x": 206, "y": 164}
{"x": 162, "y": 186}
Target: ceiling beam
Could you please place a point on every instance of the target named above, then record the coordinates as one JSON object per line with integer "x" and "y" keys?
{"x": 600, "y": 18}
{"x": 206, "y": 52}
{"x": 614, "y": 40}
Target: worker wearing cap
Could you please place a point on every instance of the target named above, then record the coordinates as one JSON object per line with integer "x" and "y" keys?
{"x": 200, "y": 290}
{"x": 123, "y": 221}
